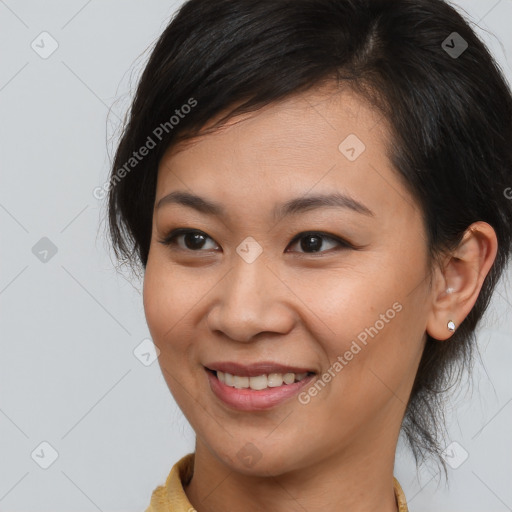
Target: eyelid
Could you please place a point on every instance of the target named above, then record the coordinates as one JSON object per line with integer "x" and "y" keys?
{"x": 342, "y": 243}
{"x": 168, "y": 240}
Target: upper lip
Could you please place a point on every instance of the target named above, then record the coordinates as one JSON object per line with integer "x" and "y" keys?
{"x": 255, "y": 369}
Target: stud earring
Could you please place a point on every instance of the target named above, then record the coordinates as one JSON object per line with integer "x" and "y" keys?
{"x": 451, "y": 326}
{"x": 450, "y": 290}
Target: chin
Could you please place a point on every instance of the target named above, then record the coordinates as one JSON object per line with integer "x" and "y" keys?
{"x": 260, "y": 462}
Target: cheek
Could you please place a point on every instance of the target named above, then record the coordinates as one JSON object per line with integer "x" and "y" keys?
{"x": 166, "y": 307}
{"x": 372, "y": 322}
{"x": 346, "y": 301}
{"x": 164, "y": 301}
{"x": 154, "y": 295}
{"x": 174, "y": 299}
{"x": 164, "y": 294}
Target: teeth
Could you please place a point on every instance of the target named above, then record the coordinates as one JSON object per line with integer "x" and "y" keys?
{"x": 289, "y": 378}
{"x": 241, "y": 382}
{"x": 259, "y": 382}
{"x": 273, "y": 380}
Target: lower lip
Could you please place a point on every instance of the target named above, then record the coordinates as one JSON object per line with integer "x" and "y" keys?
{"x": 252, "y": 400}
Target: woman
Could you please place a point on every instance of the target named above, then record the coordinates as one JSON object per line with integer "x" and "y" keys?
{"x": 317, "y": 193}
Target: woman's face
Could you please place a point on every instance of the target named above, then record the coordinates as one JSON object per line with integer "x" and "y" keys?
{"x": 335, "y": 289}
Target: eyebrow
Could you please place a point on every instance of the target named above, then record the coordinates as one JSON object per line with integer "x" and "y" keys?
{"x": 290, "y": 207}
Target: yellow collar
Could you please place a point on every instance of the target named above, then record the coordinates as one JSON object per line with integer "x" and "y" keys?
{"x": 171, "y": 497}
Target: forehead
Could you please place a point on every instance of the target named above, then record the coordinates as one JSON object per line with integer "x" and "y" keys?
{"x": 319, "y": 141}
{"x": 300, "y": 119}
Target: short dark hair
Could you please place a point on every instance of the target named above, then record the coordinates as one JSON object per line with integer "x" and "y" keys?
{"x": 450, "y": 115}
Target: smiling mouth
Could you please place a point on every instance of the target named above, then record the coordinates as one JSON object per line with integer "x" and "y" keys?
{"x": 259, "y": 382}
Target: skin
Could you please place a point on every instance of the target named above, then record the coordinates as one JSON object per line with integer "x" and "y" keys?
{"x": 299, "y": 307}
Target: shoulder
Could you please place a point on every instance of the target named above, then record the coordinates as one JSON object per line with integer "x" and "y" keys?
{"x": 171, "y": 496}
{"x": 400, "y": 497}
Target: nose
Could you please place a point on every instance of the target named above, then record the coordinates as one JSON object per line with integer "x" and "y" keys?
{"x": 251, "y": 299}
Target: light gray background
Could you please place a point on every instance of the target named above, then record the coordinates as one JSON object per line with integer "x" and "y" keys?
{"x": 70, "y": 325}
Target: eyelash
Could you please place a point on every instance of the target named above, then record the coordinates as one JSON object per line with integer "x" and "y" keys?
{"x": 170, "y": 240}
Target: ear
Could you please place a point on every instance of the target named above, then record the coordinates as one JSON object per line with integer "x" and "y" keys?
{"x": 457, "y": 285}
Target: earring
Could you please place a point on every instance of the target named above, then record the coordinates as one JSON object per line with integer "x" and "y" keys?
{"x": 450, "y": 290}
{"x": 451, "y": 326}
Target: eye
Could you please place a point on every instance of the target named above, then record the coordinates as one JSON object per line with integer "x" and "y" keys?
{"x": 194, "y": 240}
{"x": 312, "y": 242}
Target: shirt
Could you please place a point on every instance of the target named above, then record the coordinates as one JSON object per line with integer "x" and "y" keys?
{"x": 171, "y": 497}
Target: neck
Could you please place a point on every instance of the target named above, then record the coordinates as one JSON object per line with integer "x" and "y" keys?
{"x": 355, "y": 481}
